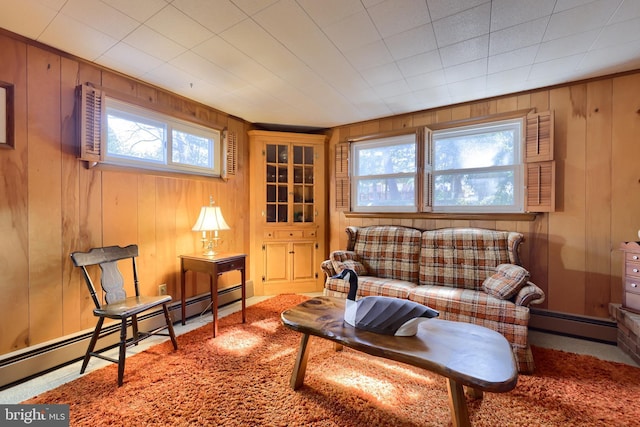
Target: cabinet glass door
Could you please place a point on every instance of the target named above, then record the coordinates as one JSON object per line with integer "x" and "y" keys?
{"x": 303, "y": 184}
{"x": 277, "y": 180}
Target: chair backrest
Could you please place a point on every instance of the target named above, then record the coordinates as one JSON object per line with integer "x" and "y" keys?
{"x": 111, "y": 279}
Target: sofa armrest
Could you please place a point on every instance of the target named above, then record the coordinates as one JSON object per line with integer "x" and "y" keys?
{"x": 529, "y": 294}
{"x": 327, "y": 267}
{"x": 344, "y": 256}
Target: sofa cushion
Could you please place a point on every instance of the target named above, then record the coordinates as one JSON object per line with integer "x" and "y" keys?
{"x": 464, "y": 257}
{"x": 369, "y": 285}
{"x": 389, "y": 252}
{"x": 351, "y": 264}
{"x": 506, "y": 281}
{"x": 468, "y": 303}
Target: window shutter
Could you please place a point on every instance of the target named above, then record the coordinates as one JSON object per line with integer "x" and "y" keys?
{"x": 540, "y": 186}
{"x": 425, "y": 139}
{"x": 91, "y": 121}
{"x": 342, "y": 177}
{"x": 230, "y": 143}
{"x": 540, "y": 166}
{"x": 539, "y": 137}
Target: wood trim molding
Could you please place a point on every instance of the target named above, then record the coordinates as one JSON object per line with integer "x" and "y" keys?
{"x": 527, "y": 216}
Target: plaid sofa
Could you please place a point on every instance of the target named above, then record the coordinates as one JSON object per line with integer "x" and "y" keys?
{"x": 444, "y": 269}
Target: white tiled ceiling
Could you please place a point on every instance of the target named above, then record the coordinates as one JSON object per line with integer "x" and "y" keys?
{"x": 322, "y": 63}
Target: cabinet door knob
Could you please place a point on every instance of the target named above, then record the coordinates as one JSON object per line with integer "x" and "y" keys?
{"x": 635, "y": 257}
{"x": 635, "y": 270}
{"x": 634, "y": 285}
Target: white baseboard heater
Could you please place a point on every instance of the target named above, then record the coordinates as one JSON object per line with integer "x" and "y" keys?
{"x": 586, "y": 327}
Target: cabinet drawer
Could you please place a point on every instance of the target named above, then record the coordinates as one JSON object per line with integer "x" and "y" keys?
{"x": 632, "y": 284}
{"x": 632, "y": 269}
{"x": 235, "y": 264}
{"x": 632, "y": 256}
{"x": 289, "y": 234}
{"x": 632, "y": 301}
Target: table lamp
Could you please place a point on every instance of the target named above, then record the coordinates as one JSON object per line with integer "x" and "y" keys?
{"x": 209, "y": 223}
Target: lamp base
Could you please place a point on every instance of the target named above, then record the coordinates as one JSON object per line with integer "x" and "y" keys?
{"x": 209, "y": 246}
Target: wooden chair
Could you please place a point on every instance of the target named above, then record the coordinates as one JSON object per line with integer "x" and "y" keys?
{"x": 117, "y": 305}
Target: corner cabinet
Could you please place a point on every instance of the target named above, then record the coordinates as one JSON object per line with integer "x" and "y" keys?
{"x": 288, "y": 211}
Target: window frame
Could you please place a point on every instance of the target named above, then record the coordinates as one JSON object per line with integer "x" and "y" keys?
{"x": 517, "y": 167}
{"x": 135, "y": 112}
{"x": 401, "y": 139}
{"x": 537, "y": 147}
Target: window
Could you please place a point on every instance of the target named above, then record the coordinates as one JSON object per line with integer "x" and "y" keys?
{"x": 116, "y": 132}
{"x": 478, "y": 168}
{"x": 144, "y": 138}
{"x": 502, "y": 166}
{"x": 385, "y": 174}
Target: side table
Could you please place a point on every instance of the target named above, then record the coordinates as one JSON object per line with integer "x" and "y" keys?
{"x": 214, "y": 266}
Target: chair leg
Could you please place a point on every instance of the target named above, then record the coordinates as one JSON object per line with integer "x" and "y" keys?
{"x": 167, "y": 317}
{"x": 134, "y": 328}
{"x": 123, "y": 350}
{"x": 92, "y": 344}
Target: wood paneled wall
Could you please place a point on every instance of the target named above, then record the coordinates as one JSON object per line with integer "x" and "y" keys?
{"x": 571, "y": 253}
{"x": 51, "y": 204}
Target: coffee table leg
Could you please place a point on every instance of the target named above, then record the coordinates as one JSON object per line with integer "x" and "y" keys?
{"x": 457, "y": 404}
{"x": 297, "y": 377}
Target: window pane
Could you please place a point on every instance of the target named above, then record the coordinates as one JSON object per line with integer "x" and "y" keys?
{"x": 135, "y": 139}
{"x": 475, "y": 151}
{"x": 475, "y": 189}
{"x": 381, "y": 160}
{"x": 191, "y": 149}
{"x": 386, "y": 192}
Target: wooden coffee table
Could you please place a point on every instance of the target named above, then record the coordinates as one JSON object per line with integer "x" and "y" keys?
{"x": 468, "y": 355}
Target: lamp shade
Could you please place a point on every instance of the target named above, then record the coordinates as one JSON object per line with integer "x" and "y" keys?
{"x": 210, "y": 219}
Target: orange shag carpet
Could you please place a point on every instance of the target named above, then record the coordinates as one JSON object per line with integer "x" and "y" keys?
{"x": 241, "y": 378}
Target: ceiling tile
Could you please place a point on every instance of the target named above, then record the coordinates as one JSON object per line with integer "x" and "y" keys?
{"x": 512, "y": 59}
{"x": 555, "y": 71}
{"x": 177, "y": 26}
{"x": 153, "y": 43}
{"x": 383, "y": 74}
{"x": 464, "y": 25}
{"x": 392, "y": 88}
{"x": 580, "y": 19}
{"x": 426, "y": 80}
{"x": 509, "y": 79}
{"x": 412, "y": 42}
{"x": 468, "y": 70}
{"x": 215, "y": 16}
{"x": 372, "y": 55}
{"x": 129, "y": 60}
{"x": 140, "y": 10}
{"x": 467, "y": 90}
{"x": 220, "y": 52}
{"x": 618, "y": 34}
{"x": 111, "y": 22}
{"x": 392, "y": 17}
{"x": 629, "y": 9}
{"x": 420, "y": 64}
{"x": 61, "y": 33}
{"x": 439, "y": 9}
{"x": 27, "y": 17}
{"x": 252, "y": 40}
{"x": 327, "y": 12}
{"x": 508, "y": 13}
{"x": 566, "y": 46}
{"x": 468, "y": 50}
{"x": 352, "y": 32}
{"x": 612, "y": 59}
{"x": 251, "y": 7}
{"x": 517, "y": 36}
